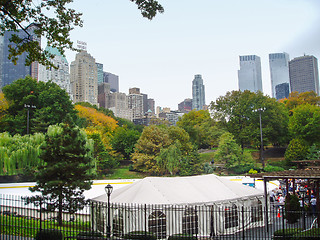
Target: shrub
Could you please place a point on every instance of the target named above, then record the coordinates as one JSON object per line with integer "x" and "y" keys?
{"x": 298, "y": 149}
{"x": 292, "y": 208}
{"x": 182, "y": 237}
{"x": 49, "y": 234}
{"x": 140, "y": 235}
{"x": 285, "y": 234}
{"x": 311, "y": 234}
{"x": 89, "y": 235}
{"x": 272, "y": 168}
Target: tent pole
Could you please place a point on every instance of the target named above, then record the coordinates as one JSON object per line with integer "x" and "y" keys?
{"x": 266, "y": 203}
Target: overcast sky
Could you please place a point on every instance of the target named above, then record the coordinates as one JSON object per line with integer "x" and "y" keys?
{"x": 193, "y": 37}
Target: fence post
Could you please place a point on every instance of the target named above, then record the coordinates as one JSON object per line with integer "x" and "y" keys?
{"x": 243, "y": 234}
{"x": 40, "y": 204}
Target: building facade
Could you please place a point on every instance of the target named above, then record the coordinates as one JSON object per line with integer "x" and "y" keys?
{"x": 83, "y": 79}
{"x": 198, "y": 93}
{"x": 59, "y": 75}
{"x": 9, "y": 72}
{"x": 99, "y": 72}
{"x": 113, "y": 80}
{"x": 304, "y": 74}
{"x": 136, "y": 103}
{"x": 279, "y": 73}
{"x": 249, "y": 75}
{"x": 185, "y": 106}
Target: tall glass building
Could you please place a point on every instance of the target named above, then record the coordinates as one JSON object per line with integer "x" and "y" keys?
{"x": 304, "y": 74}
{"x": 198, "y": 93}
{"x": 9, "y": 71}
{"x": 249, "y": 75}
{"x": 279, "y": 72}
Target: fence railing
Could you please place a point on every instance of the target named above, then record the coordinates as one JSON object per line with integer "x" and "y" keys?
{"x": 118, "y": 221}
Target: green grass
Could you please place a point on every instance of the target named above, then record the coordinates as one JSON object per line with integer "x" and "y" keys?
{"x": 206, "y": 157}
{"x": 124, "y": 173}
{"x": 28, "y": 227}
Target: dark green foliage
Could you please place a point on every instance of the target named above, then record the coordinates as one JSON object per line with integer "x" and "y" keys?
{"x": 107, "y": 162}
{"x": 314, "y": 152}
{"x": 272, "y": 168}
{"x": 191, "y": 164}
{"x": 182, "y": 237}
{"x": 90, "y": 236}
{"x": 52, "y": 105}
{"x": 292, "y": 208}
{"x": 298, "y": 149}
{"x": 285, "y": 234}
{"x": 140, "y": 235}
{"x": 124, "y": 139}
{"x": 241, "y": 169}
{"x": 49, "y": 234}
{"x": 207, "y": 168}
{"x": 312, "y": 234}
{"x": 68, "y": 169}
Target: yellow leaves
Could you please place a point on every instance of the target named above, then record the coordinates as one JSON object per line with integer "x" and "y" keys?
{"x": 96, "y": 118}
{"x": 4, "y": 105}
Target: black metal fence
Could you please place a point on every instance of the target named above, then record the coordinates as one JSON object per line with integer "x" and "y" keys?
{"x": 118, "y": 221}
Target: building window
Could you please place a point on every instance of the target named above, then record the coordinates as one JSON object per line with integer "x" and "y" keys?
{"x": 256, "y": 212}
{"x": 231, "y": 216}
{"x": 190, "y": 221}
{"x": 157, "y": 224}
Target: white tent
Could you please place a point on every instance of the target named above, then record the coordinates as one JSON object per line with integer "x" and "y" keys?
{"x": 205, "y": 205}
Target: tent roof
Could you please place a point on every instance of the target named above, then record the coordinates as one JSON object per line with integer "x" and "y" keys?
{"x": 181, "y": 190}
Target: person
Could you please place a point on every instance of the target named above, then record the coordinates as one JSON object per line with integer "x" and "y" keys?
{"x": 313, "y": 203}
{"x": 281, "y": 200}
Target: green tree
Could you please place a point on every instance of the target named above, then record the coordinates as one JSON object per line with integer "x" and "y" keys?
{"x": 235, "y": 112}
{"x": 168, "y": 160}
{"x": 148, "y": 147}
{"x": 297, "y": 149}
{"x": 296, "y": 99}
{"x": 124, "y": 139}
{"x": 200, "y": 127}
{"x": 55, "y": 26}
{"x": 68, "y": 169}
{"x": 52, "y": 104}
{"x": 305, "y": 123}
{"x": 191, "y": 164}
{"x": 230, "y": 153}
{"x": 179, "y": 135}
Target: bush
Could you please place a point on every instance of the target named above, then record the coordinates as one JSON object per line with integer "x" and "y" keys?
{"x": 89, "y": 236}
{"x": 272, "y": 168}
{"x": 182, "y": 237}
{"x": 285, "y": 234}
{"x": 140, "y": 235}
{"x": 241, "y": 169}
{"x": 292, "y": 208}
{"x": 49, "y": 234}
{"x": 311, "y": 234}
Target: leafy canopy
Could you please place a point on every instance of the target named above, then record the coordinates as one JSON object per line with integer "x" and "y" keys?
{"x": 51, "y": 19}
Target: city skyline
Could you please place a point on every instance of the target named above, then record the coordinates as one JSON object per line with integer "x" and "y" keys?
{"x": 162, "y": 56}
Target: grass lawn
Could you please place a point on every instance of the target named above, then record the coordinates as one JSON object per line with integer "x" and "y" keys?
{"x": 123, "y": 173}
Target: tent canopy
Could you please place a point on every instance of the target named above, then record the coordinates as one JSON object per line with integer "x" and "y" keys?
{"x": 181, "y": 190}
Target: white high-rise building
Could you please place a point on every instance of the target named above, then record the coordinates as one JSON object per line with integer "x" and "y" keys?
{"x": 198, "y": 93}
{"x": 249, "y": 75}
{"x": 59, "y": 75}
{"x": 83, "y": 79}
{"x": 279, "y": 72}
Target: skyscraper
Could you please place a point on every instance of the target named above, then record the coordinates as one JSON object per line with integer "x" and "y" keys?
{"x": 198, "y": 93}
{"x": 279, "y": 72}
{"x": 10, "y": 72}
{"x": 59, "y": 75}
{"x": 304, "y": 75}
{"x": 113, "y": 80}
{"x": 100, "y": 72}
{"x": 249, "y": 75}
{"x": 83, "y": 78}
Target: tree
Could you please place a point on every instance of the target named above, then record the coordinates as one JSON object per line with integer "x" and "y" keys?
{"x": 230, "y": 153}
{"x": 68, "y": 169}
{"x": 124, "y": 140}
{"x": 235, "y": 112}
{"x": 297, "y": 149}
{"x": 199, "y": 126}
{"x": 295, "y": 99}
{"x": 51, "y": 106}
{"x": 54, "y": 26}
{"x": 148, "y": 147}
{"x": 168, "y": 160}
{"x": 305, "y": 123}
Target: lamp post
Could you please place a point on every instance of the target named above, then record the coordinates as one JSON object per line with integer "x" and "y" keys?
{"x": 303, "y": 192}
{"x": 28, "y": 107}
{"x": 261, "y": 137}
{"x": 108, "y": 190}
